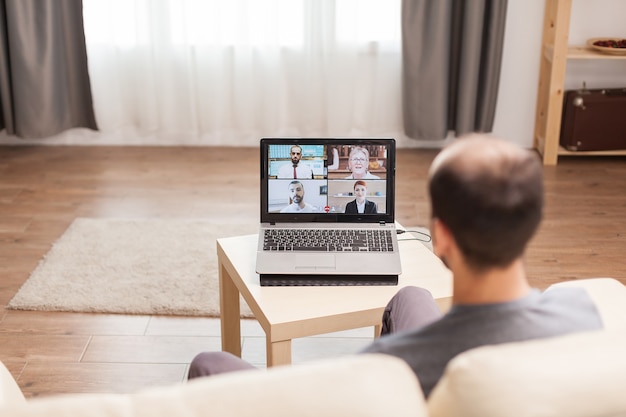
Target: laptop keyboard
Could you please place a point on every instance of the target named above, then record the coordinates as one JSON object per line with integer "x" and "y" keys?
{"x": 328, "y": 240}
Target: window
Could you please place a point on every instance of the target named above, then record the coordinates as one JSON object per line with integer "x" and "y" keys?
{"x": 227, "y": 23}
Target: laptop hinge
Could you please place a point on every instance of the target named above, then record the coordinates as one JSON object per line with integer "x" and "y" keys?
{"x": 381, "y": 223}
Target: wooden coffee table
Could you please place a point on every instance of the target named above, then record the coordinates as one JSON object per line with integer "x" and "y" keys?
{"x": 286, "y": 313}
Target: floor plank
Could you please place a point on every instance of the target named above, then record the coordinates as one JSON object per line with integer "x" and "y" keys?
{"x": 60, "y": 323}
{"x": 43, "y": 378}
{"x": 42, "y": 347}
{"x": 147, "y": 349}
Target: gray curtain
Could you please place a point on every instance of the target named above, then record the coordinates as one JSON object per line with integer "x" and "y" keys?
{"x": 44, "y": 81}
{"x": 451, "y": 53}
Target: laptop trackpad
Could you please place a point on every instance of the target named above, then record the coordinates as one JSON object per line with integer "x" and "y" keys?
{"x": 315, "y": 262}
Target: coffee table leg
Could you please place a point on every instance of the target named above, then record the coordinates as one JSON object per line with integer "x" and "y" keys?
{"x": 278, "y": 353}
{"x": 378, "y": 328}
{"x": 229, "y": 313}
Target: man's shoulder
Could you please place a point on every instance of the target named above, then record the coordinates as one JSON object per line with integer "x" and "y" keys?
{"x": 574, "y": 300}
{"x": 565, "y": 296}
{"x": 564, "y": 292}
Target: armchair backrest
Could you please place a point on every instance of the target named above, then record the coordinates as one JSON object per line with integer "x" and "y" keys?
{"x": 579, "y": 375}
{"x": 371, "y": 385}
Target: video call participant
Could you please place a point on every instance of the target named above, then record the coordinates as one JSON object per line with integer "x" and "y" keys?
{"x": 296, "y": 169}
{"x": 359, "y": 163}
{"x": 296, "y": 196}
{"x": 360, "y": 205}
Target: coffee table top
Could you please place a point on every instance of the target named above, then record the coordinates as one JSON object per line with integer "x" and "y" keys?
{"x": 304, "y": 311}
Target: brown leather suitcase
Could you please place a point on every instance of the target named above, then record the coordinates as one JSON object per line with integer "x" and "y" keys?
{"x": 594, "y": 120}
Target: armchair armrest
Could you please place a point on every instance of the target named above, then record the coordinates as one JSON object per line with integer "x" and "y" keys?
{"x": 10, "y": 393}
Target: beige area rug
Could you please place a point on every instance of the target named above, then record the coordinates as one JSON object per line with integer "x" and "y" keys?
{"x": 131, "y": 266}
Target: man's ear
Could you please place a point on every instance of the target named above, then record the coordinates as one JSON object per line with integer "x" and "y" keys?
{"x": 442, "y": 238}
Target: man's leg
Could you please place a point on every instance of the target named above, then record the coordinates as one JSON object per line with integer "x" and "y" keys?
{"x": 410, "y": 308}
{"x": 213, "y": 363}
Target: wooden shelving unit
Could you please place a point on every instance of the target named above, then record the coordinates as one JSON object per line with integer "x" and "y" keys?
{"x": 555, "y": 53}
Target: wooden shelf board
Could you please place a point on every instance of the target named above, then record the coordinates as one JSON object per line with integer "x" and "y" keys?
{"x": 583, "y": 52}
{"x": 563, "y": 151}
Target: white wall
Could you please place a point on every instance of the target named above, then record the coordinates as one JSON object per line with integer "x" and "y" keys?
{"x": 515, "y": 113}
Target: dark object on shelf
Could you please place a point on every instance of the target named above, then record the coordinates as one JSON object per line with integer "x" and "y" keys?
{"x": 594, "y": 120}
{"x": 613, "y": 46}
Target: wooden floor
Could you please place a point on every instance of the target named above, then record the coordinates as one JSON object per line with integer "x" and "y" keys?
{"x": 43, "y": 189}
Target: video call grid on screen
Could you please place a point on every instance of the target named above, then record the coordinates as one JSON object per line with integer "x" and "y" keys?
{"x": 327, "y": 177}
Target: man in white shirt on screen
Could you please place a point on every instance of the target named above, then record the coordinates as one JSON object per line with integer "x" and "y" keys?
{"x": 296, "y": 197}
{"x": 296, "y": 169}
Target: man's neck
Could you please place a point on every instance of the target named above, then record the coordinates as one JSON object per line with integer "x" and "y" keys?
{"x": 496, "y": 285}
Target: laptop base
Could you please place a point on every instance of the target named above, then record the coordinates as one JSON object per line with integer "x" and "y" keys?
{"x": 280, "y": 280}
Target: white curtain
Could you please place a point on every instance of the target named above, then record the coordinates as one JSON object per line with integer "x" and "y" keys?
{"x": 228, "y": 72}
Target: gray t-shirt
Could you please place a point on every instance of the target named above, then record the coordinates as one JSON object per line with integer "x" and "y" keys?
{"x": 428, "y": 349}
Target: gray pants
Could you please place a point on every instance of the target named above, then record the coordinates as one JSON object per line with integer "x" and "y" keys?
{"x": 410, "y": 308}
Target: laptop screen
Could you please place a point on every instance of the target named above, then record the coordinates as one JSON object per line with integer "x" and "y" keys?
{"x": 327, "y": 180}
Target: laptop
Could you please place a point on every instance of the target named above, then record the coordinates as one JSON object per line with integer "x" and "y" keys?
{"x": 327, "y": 212}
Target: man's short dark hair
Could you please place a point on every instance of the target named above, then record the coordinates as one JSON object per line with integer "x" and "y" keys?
{"x": 492, "y": 209}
